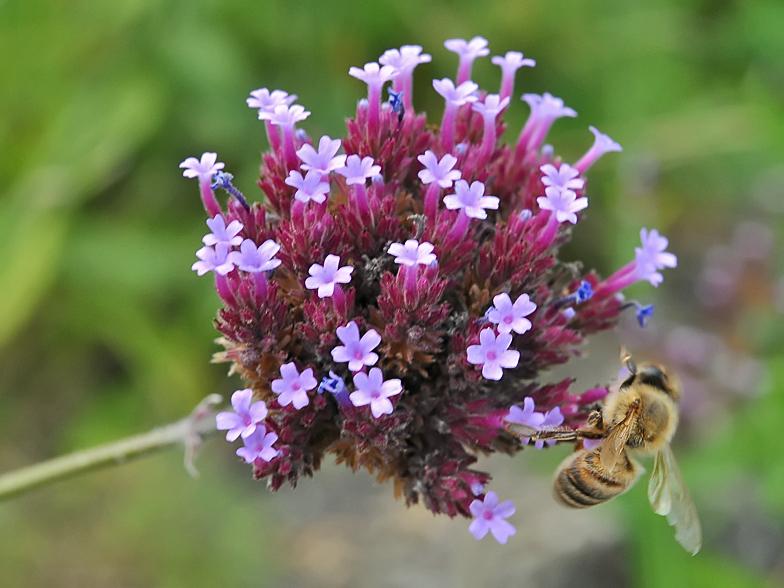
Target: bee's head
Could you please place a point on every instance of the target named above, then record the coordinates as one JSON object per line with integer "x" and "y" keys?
{"x": 657, "y": 377}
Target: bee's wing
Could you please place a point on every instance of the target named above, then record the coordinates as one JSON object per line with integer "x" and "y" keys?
{"x": 615, "y": 443}
{"x": 669, "y": 497}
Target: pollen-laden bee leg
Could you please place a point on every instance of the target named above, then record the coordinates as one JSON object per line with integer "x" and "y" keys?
{"x": 595, "y": 420}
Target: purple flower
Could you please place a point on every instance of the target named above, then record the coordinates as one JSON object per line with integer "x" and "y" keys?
{"x": 256, "y": 259}
{"x": 221, "y": 233}
{"x": 525, "y": 416}
{"x": 652, "y": 256}
{"x": 489, "y": 516}
{"x": 267, "y": 101}
{"x": 284, "y": 115}
{"x": 508, "y": 316}
{"x": 358, "y": 170}
{"x": 310, "y": 187}
{"x": 493, "y": 354}
{"x": 564, "y": 203}
{"x": 547, "y": 106}
{"x": 405, "y": 59}
{"x": 491, "y": 107}
{"x": 468, "y": 52}
{"x": 217, "y": 260}
{"x": 325, "y": 277}
{"x": 509, "y": 64}
{"x": 258, "y": 445}
{"x": 471, "y": 200}
{"x": 357, "y": 352}
{"x": 565, "y": 177}
{"x": 203, "y": 169}
{"x": 373, "y": 390}
{"x": 373, "y": 75}
{"x": 653, "y": 250}
{"x": 552, "y": 418}
{"x": 602, "y": 144}
{"x": 463, "y": 94}
{"x": 412, "y": 253}
{"x": 247, "y": 416}
{"x": 293, "y": 387}
{"x": 440, "y": 172}
{"x": 324, "y": 160}
{"x": 476, "y": 47}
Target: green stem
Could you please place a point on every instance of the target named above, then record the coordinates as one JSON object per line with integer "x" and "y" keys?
{"x": 188, "y": 432}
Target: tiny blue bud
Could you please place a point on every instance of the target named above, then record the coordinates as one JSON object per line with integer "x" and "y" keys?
{"x": 584, "y": 292}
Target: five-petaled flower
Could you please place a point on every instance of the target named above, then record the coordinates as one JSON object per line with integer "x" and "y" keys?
{"x": 563, "y": 203}
{"x": 202, "y": 169}
{"x": 310, "y": 187}
{"x": 493, "y": 354}
{"x": 437, "y": 171}
{"x": 246, "y": 418}
{"x": 489, "y": 517}
{"x": 357, "y": 352}
{"x": 325, "y": 159}
{"x": 222, "y": 233}
{"x": 258, "y": 445}
{"x": 217, "y": 260}
{"x": 357, "y": 170}
{"x": 251, "y": 258}
{"x": 563, "y": 177}
{"x": 267, "y": 101}
{"x": 510, "y": 317}
{"x": 472, "y": 200}
{"x": 373, "y": 390}
{"x": 293, "y": 387}
{"x": 412, "y": 253}
{"x": 327, "y": 276}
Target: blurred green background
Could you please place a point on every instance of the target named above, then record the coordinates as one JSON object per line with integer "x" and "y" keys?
{"x": 105, "y": 331}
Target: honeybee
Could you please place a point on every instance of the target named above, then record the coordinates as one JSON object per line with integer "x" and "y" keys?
{"x": 637, "y": 417}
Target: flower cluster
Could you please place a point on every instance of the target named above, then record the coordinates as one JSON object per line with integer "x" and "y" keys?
{"x": 394, "y": 305}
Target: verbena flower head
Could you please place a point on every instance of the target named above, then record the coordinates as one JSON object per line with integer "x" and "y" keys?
{"x": 359, "y": 319}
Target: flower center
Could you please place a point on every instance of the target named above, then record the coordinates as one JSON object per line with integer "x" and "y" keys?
{"x": 358, "y": 354}
{"x": 375, "y": 394}
{"x": 488, "y": 515}
{"x": 296, "y": 386}
{"x": 491, "y": 356}
{"x": 508, "y": 319}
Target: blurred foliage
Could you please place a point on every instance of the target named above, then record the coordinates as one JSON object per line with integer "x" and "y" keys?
{"x": 105, "y": 331}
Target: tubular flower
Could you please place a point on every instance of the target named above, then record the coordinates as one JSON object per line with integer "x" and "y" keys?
{"x": 360, "y": 311}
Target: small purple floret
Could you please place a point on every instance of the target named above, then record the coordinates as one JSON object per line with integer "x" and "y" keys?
{"x": 293, "y": 387}
{"x": 493, "y": 354}
{"x": 258, "y": 445}
{"x": 256, "y": 259}
{"x": 412, "y": 253}
{"x": 245, "y": 419}
{"x": 373, "y": 390}
{"x": 357, "y": 352}
{"x": 217, "y": 260}
{"x": 202, "y": 169}
{"x": 472, "y": 200}
{"x": 489, "y": 517}
{"x": 327, "y": 276}
{"x": 510, "y": 317}
{"x": 437, "y": 171}
{"x": 221, "y": 233}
